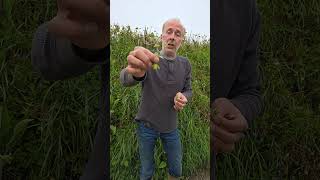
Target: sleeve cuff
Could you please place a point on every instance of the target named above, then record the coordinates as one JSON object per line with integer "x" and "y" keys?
{"x": 140, "y": 78}
{"x": 98, "y": 56}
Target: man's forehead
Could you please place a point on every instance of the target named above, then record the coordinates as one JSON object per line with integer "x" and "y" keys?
{"x": 173, "y": 24}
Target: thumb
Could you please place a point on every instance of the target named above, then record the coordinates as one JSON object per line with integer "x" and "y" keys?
{"x": 62, "y": 26}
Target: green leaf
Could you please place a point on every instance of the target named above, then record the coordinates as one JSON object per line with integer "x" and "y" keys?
{"x": 155, "y": 66}
{"x": 162, "y": 165}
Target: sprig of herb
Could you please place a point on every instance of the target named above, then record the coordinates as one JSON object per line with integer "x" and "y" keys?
{"x": 155, "y": 66}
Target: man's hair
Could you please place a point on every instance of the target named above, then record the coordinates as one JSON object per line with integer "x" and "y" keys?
{"x": 177, "y": 20}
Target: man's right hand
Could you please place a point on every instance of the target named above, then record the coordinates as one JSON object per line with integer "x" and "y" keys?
{"x": 85, "y": 23}
{"x": 139, "y": 60}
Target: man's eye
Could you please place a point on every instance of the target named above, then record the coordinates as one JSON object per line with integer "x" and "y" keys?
{"x": 178, "y": 34}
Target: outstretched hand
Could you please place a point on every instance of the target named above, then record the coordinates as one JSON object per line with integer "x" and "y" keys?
{"x": 84, "y": 22}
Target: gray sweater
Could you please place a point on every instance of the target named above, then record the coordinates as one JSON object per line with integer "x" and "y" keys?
{"x": 159, "y": 88}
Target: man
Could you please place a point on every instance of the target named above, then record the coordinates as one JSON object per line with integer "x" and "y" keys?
{"x": 70, "y": 44}
{"x": 165, "y": 91}
{"x": 235, "y": 87}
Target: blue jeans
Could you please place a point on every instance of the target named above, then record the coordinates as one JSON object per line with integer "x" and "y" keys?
{"x": 147, "y": 138}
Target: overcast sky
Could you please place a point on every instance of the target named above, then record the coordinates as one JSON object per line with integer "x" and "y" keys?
{"x": 195, "y": 15}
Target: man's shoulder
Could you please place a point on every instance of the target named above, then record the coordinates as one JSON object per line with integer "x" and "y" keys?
{"x": 183, "y": 59}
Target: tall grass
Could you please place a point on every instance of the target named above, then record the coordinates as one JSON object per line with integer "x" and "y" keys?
{"x": 284, "y": 143}
{"x": 193, "y": 120}
{"x": 46, "y": 127}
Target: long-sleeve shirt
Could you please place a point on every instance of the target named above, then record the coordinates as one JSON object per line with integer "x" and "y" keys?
{"x": 56, "y": 59}
{"x": 159, "y": 88}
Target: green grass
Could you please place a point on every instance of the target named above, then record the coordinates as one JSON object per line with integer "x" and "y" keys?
{"x": 193, "y": 122}
{"x": 47, "y": 127}
{"x": 284, "y": 143}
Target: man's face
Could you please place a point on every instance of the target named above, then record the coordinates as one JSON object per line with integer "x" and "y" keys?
{"x": 171, "y": 37}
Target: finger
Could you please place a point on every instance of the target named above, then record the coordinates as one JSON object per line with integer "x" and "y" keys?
{"x": 220, "y": 146}
{"x": 224, "y": 106}
{"x": 237, "y": 124}
{"x": 178, "y": 95}
{"x": 217, "y": 102}
{"x": 230, "y": 116}
{"x": 133, "y": 71}
{"x": 177, "y": 103}
{"x": 138, "y": 47}
{"x": 64, "y": 27}
{"x": 179, "y": 108}
{"x": 182, "y": 101}
{"x": 135, "y": 62}
{"x": 140, "y": 54}
{"x": 95, "y": 10}
{"x": 183, "y": 98}
{"x": 176, "y": 108}
{"x": 218, "y": 119}
{"x": 92, "y": 8}
{"x": 226, "y": 136}
{"x": 153, "y": 58}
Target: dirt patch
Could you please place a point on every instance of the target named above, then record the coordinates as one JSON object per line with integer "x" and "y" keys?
{"x": 201, "y": 175}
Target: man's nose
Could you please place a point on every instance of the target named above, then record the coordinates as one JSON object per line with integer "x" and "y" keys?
{"x": 172, "y": 36}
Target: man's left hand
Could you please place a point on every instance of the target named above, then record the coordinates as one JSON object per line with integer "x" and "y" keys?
{"x": 228, "y": 126}
{"x": 179, "y": 101}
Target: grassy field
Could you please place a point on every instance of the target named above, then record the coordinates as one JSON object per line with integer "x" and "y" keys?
{"x": 284, "y": 143}
{"x": 47, "y": 127}
{"x": 124, "y": 105}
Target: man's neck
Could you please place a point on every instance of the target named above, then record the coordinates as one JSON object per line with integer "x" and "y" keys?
{"x": 165, "y": 56}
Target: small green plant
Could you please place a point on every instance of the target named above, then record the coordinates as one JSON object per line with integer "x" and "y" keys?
{"x": 155, "y": 66}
